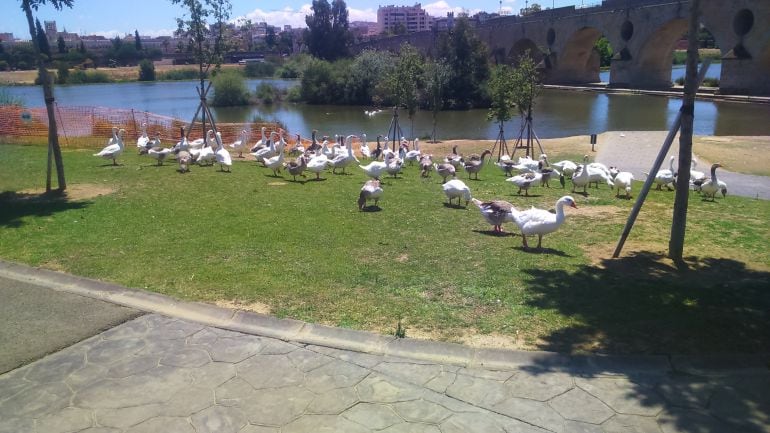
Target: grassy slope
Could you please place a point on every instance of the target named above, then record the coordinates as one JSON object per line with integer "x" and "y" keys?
{"x": 308, "y": 253}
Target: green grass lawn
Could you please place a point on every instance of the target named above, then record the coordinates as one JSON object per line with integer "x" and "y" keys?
{"x": 304, "y": 250}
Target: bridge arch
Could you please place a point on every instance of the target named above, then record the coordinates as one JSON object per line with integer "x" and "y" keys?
{"x": 655, "y": 58}
{"x": 578, "y": 61}
{"x": 520, "y": 47}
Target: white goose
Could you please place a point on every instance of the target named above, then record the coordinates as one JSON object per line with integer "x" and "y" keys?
{"x": 374, "y": 169}
{"x": 366, "y": 152}
{"x": 157, "y": 151}
{"x": 586, "y": 174}
{"x": 623, "y": 180}
{"x": 456, "y": 188}
{"x": 665, "y": 177}
{"x": 372, "y": 190}
{"x": 496, "y": 212}
{"x": 540, "y": 221}
{"x": 239, "y": 145}
{"x": 317, "y": 164}
{"x": 222, "y": 155}
{"x": 714, "y": 185}
{"x": 266, "y": 152}
{"x": 454, "y": 158}
{"x": 182, "y": 144}
{"x": 207, "y": 154}
{"x": 344, "y": 159}
{"x": 114, "y": 146}
{"x": 414, "y": 154}
{"x": 275, "y": 163}
{"x": 566, "y": 167}
{"x": 696, "y": 177}
{"x": 524, "y": 181}
{"x": 141, "y": 142}
{"x": 261, "y": 143}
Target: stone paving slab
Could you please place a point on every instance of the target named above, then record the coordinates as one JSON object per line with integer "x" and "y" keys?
{"x": 162, "y": 374}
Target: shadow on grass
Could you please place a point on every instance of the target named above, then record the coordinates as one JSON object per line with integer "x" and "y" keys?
{"x": 495, "y": 234}
{"x": 693, "y": 343}
{"x": 542, "y": 250}
{"x": 15, "y": 206}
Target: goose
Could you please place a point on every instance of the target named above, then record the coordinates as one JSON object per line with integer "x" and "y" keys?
{"x": 298, "y": 149}
{"x": 317, "y": 164}
{"x": 326, "y": 150}
{"x": 596, "y": 165}
{"x": 197, "y": 144}
{"x": 222, "y": 155}
{"x": 314, "y": 146}
{"x": 713, "y": 185}
{"x": 665, "y": 177}
{"x": 496, "y": 212}
{"x": 540, "y": 221}
{"x": 182, "y": 144}
{"x": 344, "y": 160}
{"x": 261, "y": 143}
{"x": 196, "y": 149}
{"x": 456, "y": 188}
{"x": 566, "y": 167}
{"x": 365, "y": 151}
{"x": 524, "y": 181}
{"x": 415, "y": 154}
{"x": 207, "y": 154}
{"x": 374, "y": 169}
{"x": 454, "y": 158}
{"x": 143, "y": 139}
{"x": 527, "y": 164}
{"x": 623, "y": 180}
{"x": 377, "y": 150}
{"x": 154, "y": 143}
{"x": 507, "y": 166}
{"x": 239, "y": 145}
{"x": 274, "y": 163}
{"x": 426, "y": 165}
{"x": 394, "y": 166}
{"x": 387, "y": 152}
{"x": 297, "y": 168}
{"x": 114, "y": 146}
{"x": 696, "y": 177}
{"x": 547, "y": 173}
{"x": 158, "y": 152}
{"x": 445, "y": 170}
{"x": 266, "y": 152}
{"x": 372, "y": 190}
{"x": 586, "y": 174}
{"x": 184, "y": 159}
{"x": 281, "y": 145}
{"x": 339, "y": 148}
{"x": 474, "y": 166}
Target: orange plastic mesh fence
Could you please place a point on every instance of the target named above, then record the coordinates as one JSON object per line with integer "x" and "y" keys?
{"x": 92, "y": 126}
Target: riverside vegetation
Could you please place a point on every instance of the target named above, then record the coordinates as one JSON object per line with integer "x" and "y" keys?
{"x": 303, "y": 250}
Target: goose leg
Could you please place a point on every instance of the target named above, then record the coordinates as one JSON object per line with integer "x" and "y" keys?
{"x": 539, "y": 241}
{"x": 524, "y": 240}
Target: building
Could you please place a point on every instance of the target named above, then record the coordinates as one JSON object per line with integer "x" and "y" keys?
{"x": 7, "y": 38}
{"x": 394, "y": 19}
{"x": 50, "y": 30}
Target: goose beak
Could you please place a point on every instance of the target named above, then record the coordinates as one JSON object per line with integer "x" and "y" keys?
{"x": 573, "y": 205}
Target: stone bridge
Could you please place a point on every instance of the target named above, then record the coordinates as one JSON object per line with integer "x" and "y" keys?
{"x": 642, "y": 33}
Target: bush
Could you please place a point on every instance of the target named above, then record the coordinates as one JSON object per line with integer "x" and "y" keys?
{"x": 86, "y": 77}
{"x": 259, "y": 69}
{"x": 711, "y": 82}
{"x": 229, "y": 90}
{"x": 179, "y": 74}
{"x": 62, "y": 74}
{"x": 267, "y": 93}
{"x": 146, "y": 70}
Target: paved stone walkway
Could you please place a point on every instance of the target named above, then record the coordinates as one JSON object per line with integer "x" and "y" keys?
{"x": 635, "y": 151}
{"x": 166, "y": 375}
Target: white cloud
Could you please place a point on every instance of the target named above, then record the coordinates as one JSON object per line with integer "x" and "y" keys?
{"x": 110, "y": 34}
{"x": 440, "y": 8}
{"x": 296, "y": 17}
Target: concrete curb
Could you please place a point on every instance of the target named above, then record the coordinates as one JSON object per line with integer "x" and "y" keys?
{"x": 368, "y": 342}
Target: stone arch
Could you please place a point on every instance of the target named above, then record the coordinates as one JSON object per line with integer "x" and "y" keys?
{"x": 578, "y": 62}
{"x": 656, "y": 55}
{"x": 520, "y": 47}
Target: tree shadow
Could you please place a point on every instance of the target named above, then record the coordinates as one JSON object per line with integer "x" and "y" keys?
{"x": 14, "y": 206}
{"x": 689, "y": 343}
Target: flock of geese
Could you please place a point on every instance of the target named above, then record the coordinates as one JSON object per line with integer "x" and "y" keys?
{"x": 271, "y": 150}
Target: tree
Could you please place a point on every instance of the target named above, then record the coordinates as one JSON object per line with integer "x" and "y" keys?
{"x": 61, "y": 46}
{"x": 146, "y": 70}
{"x": 42, "y": 40}
{"x": 534, "y": 7}
{"x": 137, "y": 41}
{"x": 679, "y": 222}
{"x": 53, "y": 137}
{"x": 207, "y": 46}
{"x": 405, "y": 80}
{"x": 366, "y": 74}
{"x": 437, "y": 76}
{"x": 526, "y": 87}
{"x": 270, "y": 38}
{"x": 603, "y": 47}
{"x": 82, "y": 47}
{"x": 467, "y": 58}
{"x": 328, "y": 34}
{"x": 501, "y": 92}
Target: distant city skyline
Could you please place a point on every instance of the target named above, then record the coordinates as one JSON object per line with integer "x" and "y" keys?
{"x": 158, "y": 17}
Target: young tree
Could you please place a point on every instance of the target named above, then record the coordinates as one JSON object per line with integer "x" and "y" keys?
{"x": 146, "y": 70}
{"x": 53, "y": 136}
{"x": 437, "y": 75}
{"x": 61, "y": 46}
{"x": 526, "y": 87}
{"x": 137, "y": 41}
{"x": 405, "y": 80}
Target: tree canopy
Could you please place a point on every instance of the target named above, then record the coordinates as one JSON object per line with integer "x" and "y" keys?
{"x": 466, "y": 56}
{"x": 328, "y": 35}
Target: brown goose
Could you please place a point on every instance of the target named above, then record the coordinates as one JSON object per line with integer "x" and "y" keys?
{"x": 496, "y": 212}
{"x": 475, "y": 165}
{"x": 297, "y": 168}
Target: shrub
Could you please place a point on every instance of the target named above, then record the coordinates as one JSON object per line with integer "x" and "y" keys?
{"x": 146, "y": 70}
{"x": 259, "y": 69}
{"x": 267, "y": 93}
{"x": 178, "y": 74}
{"x": 711, "y": 82}
{"x": 229, "y": 90}
{"x": 62, "y": 74}
{"x": 86, "y": 77}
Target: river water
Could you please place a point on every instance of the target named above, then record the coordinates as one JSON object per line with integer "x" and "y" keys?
{"x": 557, "y": 113}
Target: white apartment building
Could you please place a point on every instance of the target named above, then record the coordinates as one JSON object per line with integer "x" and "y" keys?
{"x": 413, "y": 18}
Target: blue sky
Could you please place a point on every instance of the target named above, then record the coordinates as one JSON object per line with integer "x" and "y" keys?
{"x": 157, "y": 17}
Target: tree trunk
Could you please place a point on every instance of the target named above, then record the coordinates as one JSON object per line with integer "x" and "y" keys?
{"x": 53, "y": 135}
{"x": 679, "y": 223}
